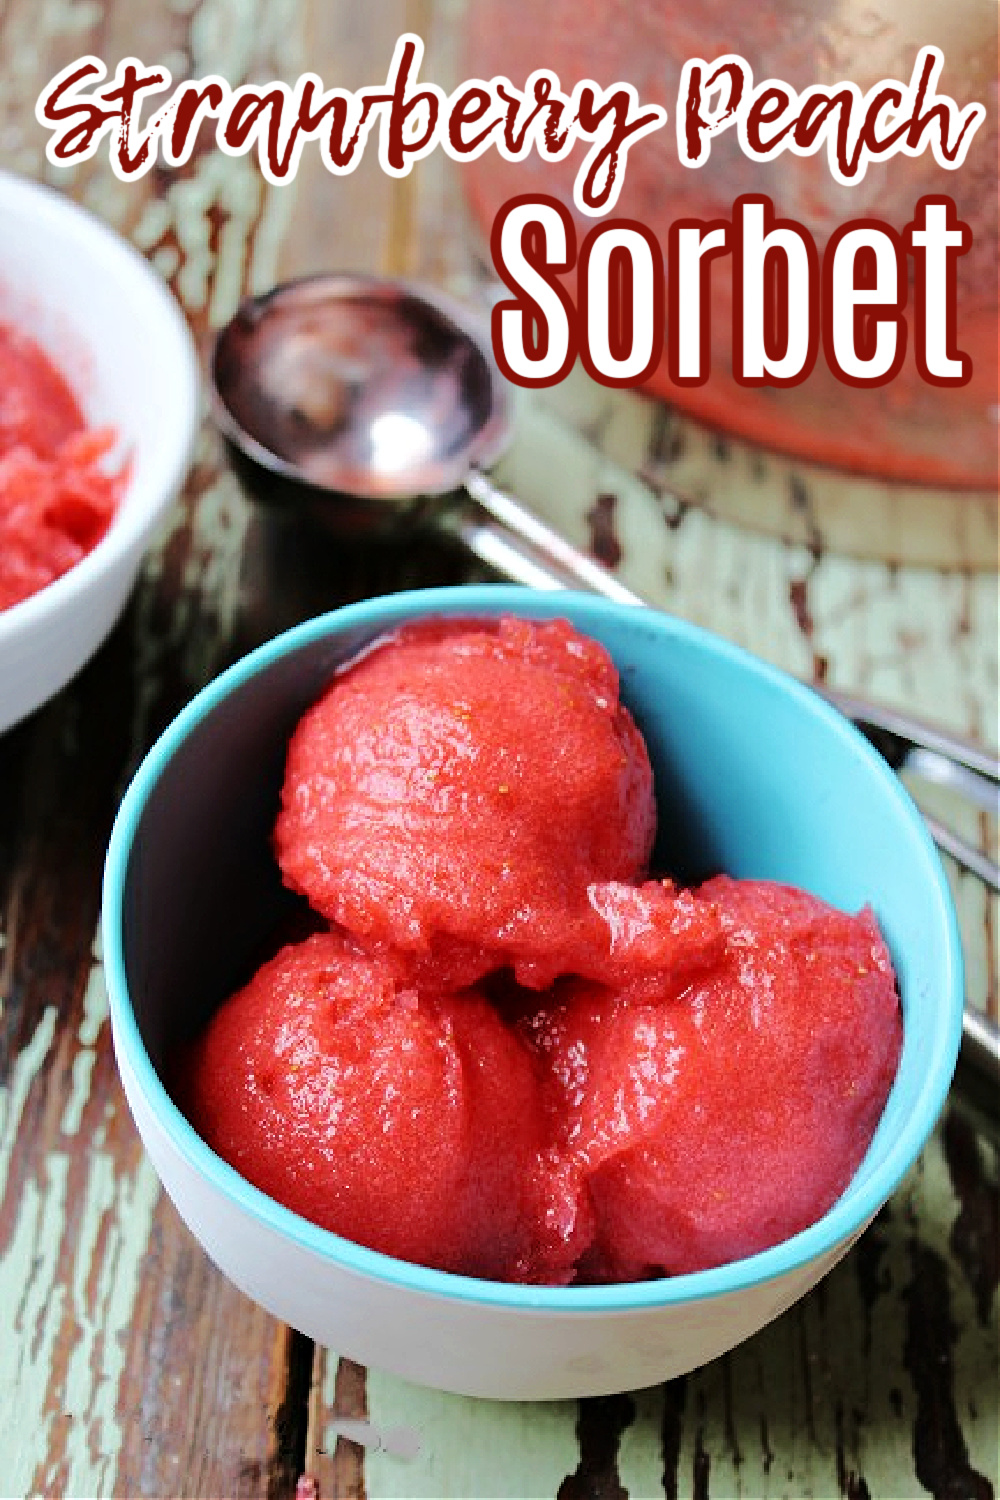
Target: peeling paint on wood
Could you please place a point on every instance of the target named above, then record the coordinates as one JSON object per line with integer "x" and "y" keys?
{"x": 127, "y": 1365}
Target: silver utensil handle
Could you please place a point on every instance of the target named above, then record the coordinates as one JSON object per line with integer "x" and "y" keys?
{"x": 524, "y": 549}
{"x": 498, "y": 547}
{"x": 983, "y": 783}
{"x": 963, "y": 853}
{"x": 565, "y": 564}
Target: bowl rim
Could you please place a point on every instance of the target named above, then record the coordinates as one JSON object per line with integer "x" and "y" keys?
{"x": 147, "y": 496}
{"x": 824, "y": 1239}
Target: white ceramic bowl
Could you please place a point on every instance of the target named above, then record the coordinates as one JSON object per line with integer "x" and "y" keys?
{"x": 755, "y": 774}
{"x": 112, "y": 328}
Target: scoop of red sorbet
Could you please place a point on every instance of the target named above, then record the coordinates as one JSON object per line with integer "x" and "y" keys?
{"x": 729, "y": 1111}
{"x": 410, "y": 1123}
{"x": 456, "y": 793}
{"x": 57, "y": 497}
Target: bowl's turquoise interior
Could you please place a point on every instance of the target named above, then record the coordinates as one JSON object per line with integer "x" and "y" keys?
{"x": 756, "y": 776}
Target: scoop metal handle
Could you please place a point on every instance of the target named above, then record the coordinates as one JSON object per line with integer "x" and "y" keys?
{"x": 551, "y": 553}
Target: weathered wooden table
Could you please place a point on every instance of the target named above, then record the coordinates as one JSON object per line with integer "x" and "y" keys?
{"x": 128, "y": 1366}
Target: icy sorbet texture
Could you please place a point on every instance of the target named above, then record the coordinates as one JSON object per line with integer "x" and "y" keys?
{"x": 511, "y": 1053}
{"x": 57, "y": 497}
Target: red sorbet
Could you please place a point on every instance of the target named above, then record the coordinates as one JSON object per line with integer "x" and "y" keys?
{"x": 455, "y": 794}
{"x": 56, "y": 496}
{"x": 410, "y": 1123}
{"x": 731, "y": 1111}
{"x": 700, "y": 1078}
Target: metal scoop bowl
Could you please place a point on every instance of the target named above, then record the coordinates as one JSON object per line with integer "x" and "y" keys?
{"x": 375, "y": 405}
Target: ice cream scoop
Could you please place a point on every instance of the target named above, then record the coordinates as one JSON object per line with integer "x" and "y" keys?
{"x": 372, "y": 403}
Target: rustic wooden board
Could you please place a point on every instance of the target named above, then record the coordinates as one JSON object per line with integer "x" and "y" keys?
{"x": 128, "y": 1366}
{"x": 127, "y": 1357}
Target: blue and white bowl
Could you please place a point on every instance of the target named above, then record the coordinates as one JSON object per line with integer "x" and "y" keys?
{"x": 756, "y": 776}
